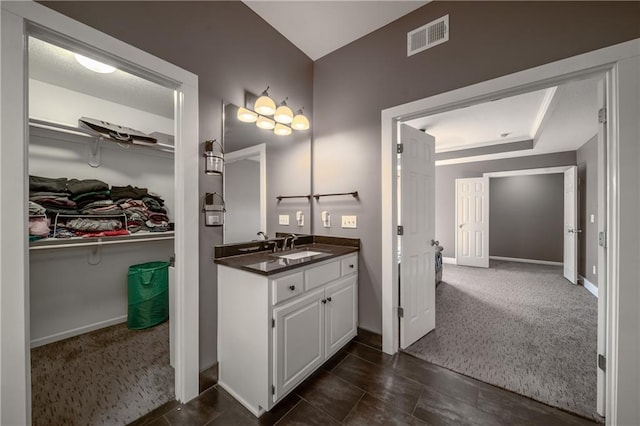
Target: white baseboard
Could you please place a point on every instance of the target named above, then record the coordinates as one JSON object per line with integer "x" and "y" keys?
{"x": 77, "y": 331}
{"x": 592, "y": 288}
{"x": 518, "y": 259}
{"x": 449, "y": 260}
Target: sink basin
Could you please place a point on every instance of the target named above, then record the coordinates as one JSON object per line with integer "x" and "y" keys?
{"x": 299, "y": 254}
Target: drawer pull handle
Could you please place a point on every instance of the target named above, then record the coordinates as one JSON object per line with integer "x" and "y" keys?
{"x": 292, "y": 287}
{"x": 328, "y": 299}
{"x": 351, "y": 266}
{"x": 324, "y": 301}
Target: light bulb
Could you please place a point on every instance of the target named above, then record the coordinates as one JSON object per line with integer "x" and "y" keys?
{"x": 94, "y": 65}
{"x": 265, "y": 123}
{"x": 246, "y": 115}
{"x": 282, "y": 130}
{"x": 300, "y": 122}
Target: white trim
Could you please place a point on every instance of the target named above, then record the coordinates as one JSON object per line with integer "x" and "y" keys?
{"x": 621, "y": 65}
{"x": 449, "y": 260}
{"x": 260, "y": 151}
{"x": 589, "y": 286}
{"x": 14, "y": 319}
{"x": 528, "y": 172}
{"x": 543, "y": 112}
{"x": 77, "y": 331}
{"x": 521, "y": 260}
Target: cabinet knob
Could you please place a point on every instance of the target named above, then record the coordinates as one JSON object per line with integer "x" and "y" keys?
{"x": 292, "y": 287}
{"x": 351, "y": 266}
{"x": 324, "y": 301}
{"x": 328, "y": 299}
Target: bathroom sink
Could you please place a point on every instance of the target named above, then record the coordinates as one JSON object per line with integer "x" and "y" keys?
{"x": 300, "y": 254}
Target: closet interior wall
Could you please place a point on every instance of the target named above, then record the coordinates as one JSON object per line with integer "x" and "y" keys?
{"x": 74, "y": 290}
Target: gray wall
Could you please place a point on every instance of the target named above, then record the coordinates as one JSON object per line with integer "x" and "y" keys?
{"x": 446, "y": 188}
{"x": 231, "y": 49}
{"x": 352, "y": 85}
{"x": 587, "y": 160}
{"x": 526, "y": 217}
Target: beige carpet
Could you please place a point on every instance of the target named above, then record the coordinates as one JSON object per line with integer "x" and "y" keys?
{"x": 107, "y": 377}
{"x": 518, "y": 326}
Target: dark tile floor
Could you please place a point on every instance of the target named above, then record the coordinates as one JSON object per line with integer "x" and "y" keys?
{"x": 361, "y": 385}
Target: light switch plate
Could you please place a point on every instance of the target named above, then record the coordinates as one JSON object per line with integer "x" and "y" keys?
{"x": 592, "y": 218}
{"x": 594, "y": 269}
{"x": 283, "y": 219}
{"x": 350, "y": 222}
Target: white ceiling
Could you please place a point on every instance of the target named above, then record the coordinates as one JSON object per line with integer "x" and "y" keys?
{"x": 557, "y": 120}
{"x": 320, "y": 27}
{"x": 55, "y": 65}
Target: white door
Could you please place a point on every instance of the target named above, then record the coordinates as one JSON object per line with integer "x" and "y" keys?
{"x": 340, "y": 314}
{"x": 602, "y": 252}
{"x": 472, "y": 222}
{"x": 417, "y": 216}
{"x": 571, "y": 230}
{"x": 299, "y": 341}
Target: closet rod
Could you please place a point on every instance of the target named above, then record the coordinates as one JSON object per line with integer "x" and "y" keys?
{"x": 99, "y": 243}
{"x": 63, "y": 127}
{"x": 354, "y": 194}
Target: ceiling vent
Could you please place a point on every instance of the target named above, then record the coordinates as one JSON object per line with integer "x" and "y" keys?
{"x": 429, "y": 35}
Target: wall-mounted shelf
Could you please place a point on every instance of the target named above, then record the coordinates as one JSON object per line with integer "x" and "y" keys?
{"x": 75, "y": 242}
{"x": 65, "y": 132}
{"x": 354, "y": 194}
{"x": 284, "y": 197}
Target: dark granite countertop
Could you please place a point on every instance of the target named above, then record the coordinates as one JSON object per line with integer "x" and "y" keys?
{"x": 268, "y": 263}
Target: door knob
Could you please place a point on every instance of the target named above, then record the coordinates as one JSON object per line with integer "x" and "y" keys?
{"x": 292, "y": 287}
{"x": 435, "y": 243}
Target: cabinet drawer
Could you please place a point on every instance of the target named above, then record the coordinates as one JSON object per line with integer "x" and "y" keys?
{"x": 320, "y": 275}
{"x": 349, "y": 265}
{"x": 286, "y": 287}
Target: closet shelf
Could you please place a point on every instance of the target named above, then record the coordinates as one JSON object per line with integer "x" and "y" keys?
{"x": 61, "y": 128}
{"x": 74, "y": 242}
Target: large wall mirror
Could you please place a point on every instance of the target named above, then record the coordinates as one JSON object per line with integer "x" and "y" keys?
{"x": 260, "y": 166}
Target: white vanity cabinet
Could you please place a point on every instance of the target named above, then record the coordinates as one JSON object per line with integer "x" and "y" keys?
{"x": 275, "y": 331}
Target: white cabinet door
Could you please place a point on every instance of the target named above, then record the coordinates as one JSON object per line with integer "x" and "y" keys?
{"x": 341, "y": 314}
{"x": 299, "y": 341}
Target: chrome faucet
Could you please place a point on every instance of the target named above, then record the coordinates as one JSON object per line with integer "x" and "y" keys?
{"x": 265, "y": 236}
{"x": 291, "y": 240}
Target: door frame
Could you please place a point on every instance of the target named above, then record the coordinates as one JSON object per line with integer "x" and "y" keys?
{"x": 620, "y": 64}
{"x": 19, "y": 19}
{"x": 526, "y": 172}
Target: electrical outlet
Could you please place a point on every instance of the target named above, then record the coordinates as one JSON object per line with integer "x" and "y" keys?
{"x": 350, "y": 221}
{"x": 592, "y": 218}
{"x": 594, "y": 269}
{"x": 283, "y": 219}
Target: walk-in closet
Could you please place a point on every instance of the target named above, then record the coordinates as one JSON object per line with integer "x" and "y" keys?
{"x": 101, "y": 200}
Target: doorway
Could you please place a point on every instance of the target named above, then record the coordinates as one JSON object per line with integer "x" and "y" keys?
{"x": 539, "y": 77}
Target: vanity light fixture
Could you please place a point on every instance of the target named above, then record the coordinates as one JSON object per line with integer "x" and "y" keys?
{"x": 265, "y": 123}
{"x": 282, "y": 130}
{"x": 94, "y": 65}
{"x": 213, "y": 158}
{"x": 283, "y": 113}
{"x": 247, "y": 116}
{"x": 300, "y": 121}
{"x": 264, "y": 105}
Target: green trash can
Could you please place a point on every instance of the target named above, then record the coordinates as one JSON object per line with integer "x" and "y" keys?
{"x": 148, "y": 295}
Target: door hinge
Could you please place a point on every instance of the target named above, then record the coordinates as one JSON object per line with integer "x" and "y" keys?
{"x": 273, "y": 323}
{"x": 400, "y": 148}
{"x": 400, "y": 230}
{"x": 400, "y": 312}
{"x": 273, "y": 390}
{"x": 602, "y": 239}
{"x": 602, "y": 362}
{"x": 602, "y": 115}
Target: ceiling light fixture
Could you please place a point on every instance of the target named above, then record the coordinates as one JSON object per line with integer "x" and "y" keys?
{"x": 94, "y": 65}
{"x": 247, "y": 116}
{"x": 265, "y": 123}
{"x": 264, "y": 105}
{"x": 300, "y": 121}
{"x": 282, "y": 130}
